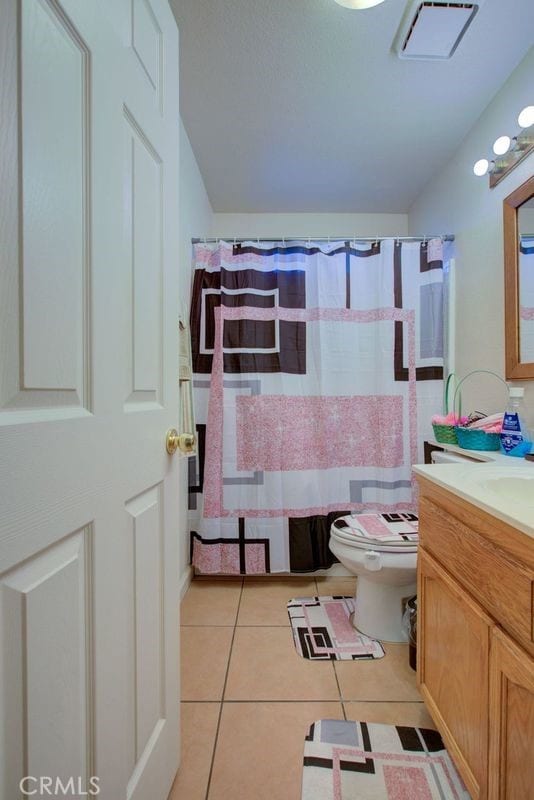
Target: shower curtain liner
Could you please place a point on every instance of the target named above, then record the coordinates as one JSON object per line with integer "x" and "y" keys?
{"x": 316, "y": 372}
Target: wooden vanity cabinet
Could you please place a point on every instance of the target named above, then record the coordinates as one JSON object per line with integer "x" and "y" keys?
{"x": 475, "y": 658}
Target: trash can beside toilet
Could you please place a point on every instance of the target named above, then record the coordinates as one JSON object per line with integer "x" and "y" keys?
{"x": 410, "y": 627}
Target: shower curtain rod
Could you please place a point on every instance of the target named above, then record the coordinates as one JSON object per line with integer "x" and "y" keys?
{"x": 239, "y": 239}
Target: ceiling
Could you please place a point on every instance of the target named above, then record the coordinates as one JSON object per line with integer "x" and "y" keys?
{"x": 301, "y": 105}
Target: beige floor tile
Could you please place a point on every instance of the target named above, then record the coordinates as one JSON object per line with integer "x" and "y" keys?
{"x": 264, "y": 601}
{"x": 211, "y": 602}
{"x": 199, "y": 728}
{"x": 413, "y": 714}
{"x": 266, "y": 666}
{"x": 332, "y": 586}
{"x": 205, "y": 653}
{"x": 388, "y": 678}
{"x": 260, "y": 746}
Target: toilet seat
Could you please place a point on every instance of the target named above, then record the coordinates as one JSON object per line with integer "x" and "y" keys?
{"x": 351, "y": 541}
{"x": 354, "y": 531}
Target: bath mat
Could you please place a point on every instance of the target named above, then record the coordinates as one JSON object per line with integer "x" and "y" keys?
{"x": 363, "y": 760}
{"x": 322, "y": 630}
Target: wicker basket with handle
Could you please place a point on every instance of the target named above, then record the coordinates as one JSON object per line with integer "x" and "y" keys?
{"x": 446, "y": 434}
{"x": 476, "y": 439}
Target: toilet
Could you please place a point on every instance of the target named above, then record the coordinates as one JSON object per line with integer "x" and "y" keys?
{"x": 381, "y": 550}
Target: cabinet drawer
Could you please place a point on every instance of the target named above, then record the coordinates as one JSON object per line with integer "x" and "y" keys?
{"x": 501, "y": 585}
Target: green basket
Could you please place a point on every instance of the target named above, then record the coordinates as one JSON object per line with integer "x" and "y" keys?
{"x": 446, "y": 434}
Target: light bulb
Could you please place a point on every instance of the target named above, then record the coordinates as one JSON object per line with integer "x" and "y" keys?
{"x": 359, "y": 3}
{"x": 526, "y": 117}
{"x": 481, "y": 167}
{"x": 501, "y": 145}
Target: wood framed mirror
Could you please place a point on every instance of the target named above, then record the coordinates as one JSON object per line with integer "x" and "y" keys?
{"x": 518, "y": 216}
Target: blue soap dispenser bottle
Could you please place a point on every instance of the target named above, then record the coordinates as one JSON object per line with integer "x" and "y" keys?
{"x": 514, "y": 435}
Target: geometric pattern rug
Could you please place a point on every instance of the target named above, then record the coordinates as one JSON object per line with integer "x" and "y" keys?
{"x": 365, "y": 761}
{"x": 322, "y": 630}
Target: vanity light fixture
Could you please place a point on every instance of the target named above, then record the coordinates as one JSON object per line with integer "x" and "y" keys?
{"x": 481, "y": 167}
{"x": 510, "y": 150}
{"x": 501, "y": 145}
{"x": 526, "y": 117}
{"x": 358, "y": 4}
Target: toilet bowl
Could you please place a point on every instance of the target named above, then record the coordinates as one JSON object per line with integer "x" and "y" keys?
{"x": 385, "y": 564}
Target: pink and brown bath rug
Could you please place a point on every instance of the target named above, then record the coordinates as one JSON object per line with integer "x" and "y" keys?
{"x": 346, "y": 760}
{"x": 322, "y": 630}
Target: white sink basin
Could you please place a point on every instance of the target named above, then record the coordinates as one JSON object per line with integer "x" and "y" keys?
{"x": 506, "y": 490}
{"x": 519, "y": 489}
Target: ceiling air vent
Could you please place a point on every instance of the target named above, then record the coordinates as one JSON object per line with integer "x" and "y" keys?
{"x": 433, "y": 30}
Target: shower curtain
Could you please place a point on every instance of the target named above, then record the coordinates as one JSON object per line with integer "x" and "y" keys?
{"x": 316, "y": 372}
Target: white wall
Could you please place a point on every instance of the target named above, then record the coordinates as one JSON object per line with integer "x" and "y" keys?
{"x": 196, "y": 219}
{"x": 196, "y": 215}
{"x": 313, "y": 225}
{"x": 457, "y": 202}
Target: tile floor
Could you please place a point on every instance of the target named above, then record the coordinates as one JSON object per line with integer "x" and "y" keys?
{"x": 248, "y": 698}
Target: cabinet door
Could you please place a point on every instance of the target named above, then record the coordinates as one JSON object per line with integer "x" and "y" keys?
{"x": 453, "y": 668}
{"x": 511, "y": 773}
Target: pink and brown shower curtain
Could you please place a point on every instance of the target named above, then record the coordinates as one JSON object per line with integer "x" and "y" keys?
{"x": 316, "y": 372}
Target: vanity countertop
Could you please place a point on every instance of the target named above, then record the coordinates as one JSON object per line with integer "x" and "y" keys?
{"x": 505, "y": 491}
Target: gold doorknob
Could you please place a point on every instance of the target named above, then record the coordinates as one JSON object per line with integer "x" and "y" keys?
{"x": 175, "y": 440}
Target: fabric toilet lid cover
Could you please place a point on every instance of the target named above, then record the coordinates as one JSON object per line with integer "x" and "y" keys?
{"x": 398, "y": 531}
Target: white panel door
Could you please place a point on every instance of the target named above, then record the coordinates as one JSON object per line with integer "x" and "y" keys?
{"x": 89, "y": 624}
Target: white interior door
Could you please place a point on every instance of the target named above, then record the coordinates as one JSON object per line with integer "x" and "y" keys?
{"x": 89, "y": 126}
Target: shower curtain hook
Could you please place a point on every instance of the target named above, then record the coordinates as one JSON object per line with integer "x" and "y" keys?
{"x": 283, "y": 241}
{"x": 309, "y": 241}
{"x": 235, "y": 240}
{"x": 205, "y": 242}
{"x": 424, "y": 240}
